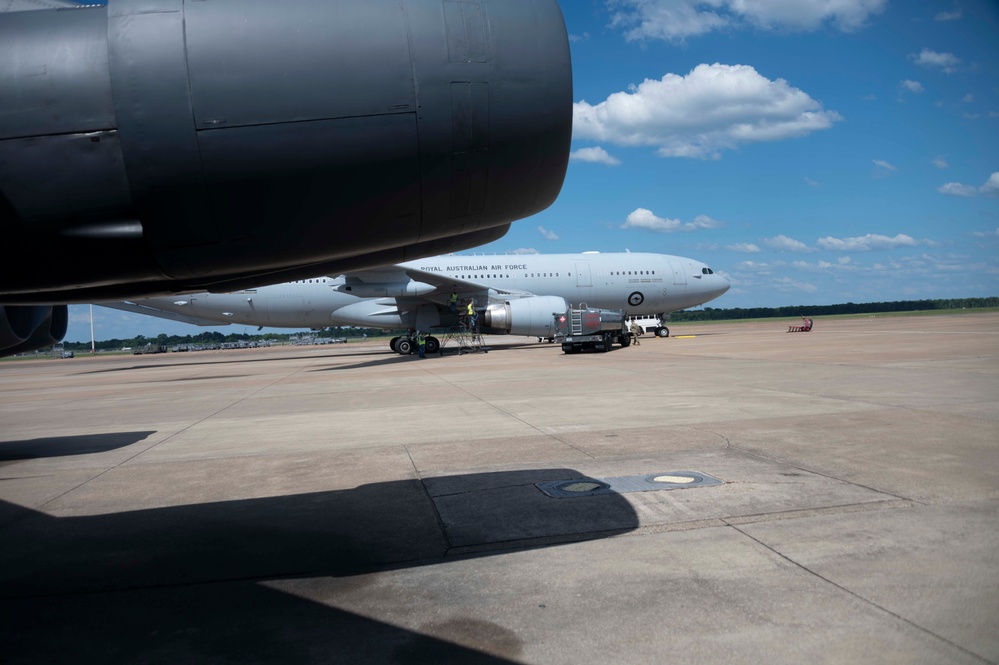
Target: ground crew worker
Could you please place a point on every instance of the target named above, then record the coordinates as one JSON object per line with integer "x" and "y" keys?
{"x": 421, "y": 343}
{"x": 471, "y": 314}
{"x": 636, "y": 332}
{"x": 454, "y": 301}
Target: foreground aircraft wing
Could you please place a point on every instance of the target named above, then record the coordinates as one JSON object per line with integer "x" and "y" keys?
{"x": 147, "y": 148}
{"x": 152, "y": 311}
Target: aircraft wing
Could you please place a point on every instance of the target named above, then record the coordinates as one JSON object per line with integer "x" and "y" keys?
{"x": 408, "y": 285}
{"x": 28, "y": 5}
{"x": 151, "y": 311}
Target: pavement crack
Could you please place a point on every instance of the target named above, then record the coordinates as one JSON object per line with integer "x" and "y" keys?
{"x": 433, "y": 504}
{"x": 511, "y": 415}
{"x": 161, "y": 442}
{"x": 854, "y": 594}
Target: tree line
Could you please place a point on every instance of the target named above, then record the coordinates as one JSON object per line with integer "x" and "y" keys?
{"x": 217, "y": 339}
{"x": 715, "y": 314}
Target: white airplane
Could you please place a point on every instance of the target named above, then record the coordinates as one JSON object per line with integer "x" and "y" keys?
{"x": 511, "y": 294}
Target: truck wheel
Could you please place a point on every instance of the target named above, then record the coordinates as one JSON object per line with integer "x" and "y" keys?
{"x": 404, "y": 346}
{"x": 608, "y": 342}
{"x": 662, "y": 332}
{"x": 569, "y": 348}
{"x": 625, "y": 341}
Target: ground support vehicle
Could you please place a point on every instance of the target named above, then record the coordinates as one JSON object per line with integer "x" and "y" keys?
{"x": 806, "y": 325}
{"x": 591, "y": 328}
{"x": 149, "y": 348}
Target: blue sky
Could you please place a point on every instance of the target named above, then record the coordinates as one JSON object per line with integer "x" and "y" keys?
{"x": 812, "y": 151}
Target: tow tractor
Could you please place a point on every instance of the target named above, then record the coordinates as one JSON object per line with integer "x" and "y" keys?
{"x": 591, "y": 328}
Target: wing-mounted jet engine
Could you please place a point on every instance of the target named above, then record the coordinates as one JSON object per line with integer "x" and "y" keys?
{"x": 164, "y": 146}
{"x": 28, "y": 327}
{"x": 531, "y": 317}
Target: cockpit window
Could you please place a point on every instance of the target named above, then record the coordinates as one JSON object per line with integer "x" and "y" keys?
{"x": 707, "y": 271}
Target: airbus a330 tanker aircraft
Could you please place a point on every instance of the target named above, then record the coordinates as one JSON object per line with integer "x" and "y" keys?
{"x": 511, "y": 294}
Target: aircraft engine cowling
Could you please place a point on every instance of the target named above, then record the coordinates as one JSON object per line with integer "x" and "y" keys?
{"x": 28, "y": 327}
{"x": 533, "y": 317}
{"x": 384, "y": 289}
{"x": 165, "y": 146}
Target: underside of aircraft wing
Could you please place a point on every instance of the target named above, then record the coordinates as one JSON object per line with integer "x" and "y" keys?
{"x": 175, "y": 154}
{"x": 150, "y": 311}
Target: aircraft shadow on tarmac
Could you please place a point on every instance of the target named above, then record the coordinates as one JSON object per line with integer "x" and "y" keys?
{"x": 181, "y": 584}
{"x": 385, "y": 357}
{"x": 64, "y": 446}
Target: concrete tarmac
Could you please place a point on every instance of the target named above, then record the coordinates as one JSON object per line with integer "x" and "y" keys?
{"x": 345, "y": 504}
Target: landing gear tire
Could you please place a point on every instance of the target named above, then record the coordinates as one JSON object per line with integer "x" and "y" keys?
{"x": 404, "y": 346}
{"x": 662, "y": 332}
{"x": 393, "y": 342}
{"x": 433, "y": 345}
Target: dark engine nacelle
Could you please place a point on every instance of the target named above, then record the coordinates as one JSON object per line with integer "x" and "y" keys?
{"x": 162, "y": 146}
{"x": 533, "y": 317}
{"x": 29, "y": 327}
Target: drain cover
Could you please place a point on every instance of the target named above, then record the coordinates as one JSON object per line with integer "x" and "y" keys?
{"x": 564, "y": 489}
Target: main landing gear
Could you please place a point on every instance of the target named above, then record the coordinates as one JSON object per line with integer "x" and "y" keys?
{"x": 407, "y": 345}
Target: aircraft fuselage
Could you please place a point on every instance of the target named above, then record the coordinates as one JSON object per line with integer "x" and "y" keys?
{"x": 642, "y": 284}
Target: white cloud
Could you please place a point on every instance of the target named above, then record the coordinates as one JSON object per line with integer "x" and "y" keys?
{"x": 986, "y": 234}
{"x": 940, "y": 162}
{"x": 912, "y": 86}
{"x": 871, "y": 241}
{"x": 990, "y": 188}
{"x": 968, "y": 98}
{"x": 525, "y": 250}
{"x": 714, "y": 107}
{"x": 703, "y": 222}
{"x": 744, "y": 247}
{"x": 957, "y": 189}
{"x": 642, "y": 218}
{"x": 843, "y": 264}
{"x": 782, "y": 243}
{"x": 596, "y": 155}
{"x": 885, "y": 165}
{"x": 761, "y": 268}
{"x": 946, "y": 62}
{"x": 948, "y": 16}
{"x": 579, "y": 38}
{"x": 788, "y": 284}
{"x": 674, "y": 20}
{"x": 812, "y": 183}
{"x": 549, "y": 235}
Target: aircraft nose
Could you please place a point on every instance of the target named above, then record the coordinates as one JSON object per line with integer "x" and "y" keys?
{"x": 721, "y": 287}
